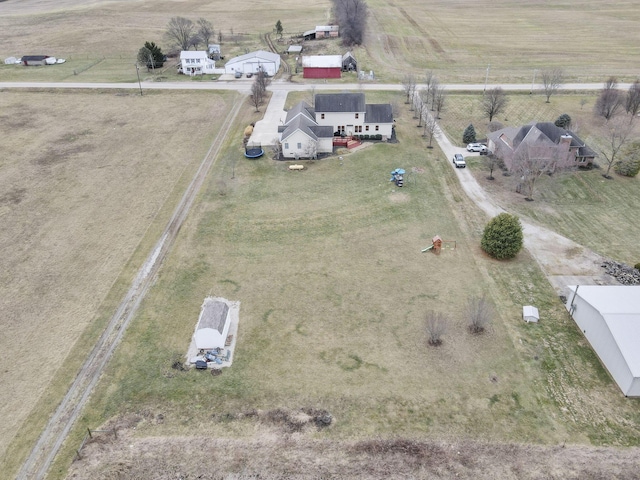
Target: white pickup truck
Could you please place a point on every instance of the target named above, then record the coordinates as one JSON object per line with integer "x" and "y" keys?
{"x": 458, "y": 161}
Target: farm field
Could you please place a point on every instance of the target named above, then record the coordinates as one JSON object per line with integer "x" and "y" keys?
{"x": 458, "y": 40}
{"x": 326, "y": 263}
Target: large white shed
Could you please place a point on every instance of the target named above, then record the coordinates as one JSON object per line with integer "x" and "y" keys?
{"x": 253, "y": 62}
{"x": 609, "y": 317}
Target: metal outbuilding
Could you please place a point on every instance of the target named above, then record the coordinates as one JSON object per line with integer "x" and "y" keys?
{"x": 322, "y": 66}
{"x": 609, "y": 317}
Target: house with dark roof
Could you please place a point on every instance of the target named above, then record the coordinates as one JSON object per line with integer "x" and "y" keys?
{"x": 349, "y": 62}
{"x": 348, "y": 114}
{"x": 309, "y": 131}
{"x": 301, "y": 136}
{"x": 546, "y": 138}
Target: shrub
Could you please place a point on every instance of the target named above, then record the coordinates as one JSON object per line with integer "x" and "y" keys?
{"x": 563, "y": 121}
{"x": 479, "y": 314}
{"x": 469, "y": 135}
{"x": 629, "y": 167}
{"x": 436, "y": 326}
{"x": 502, "y": 237}
{"x": 637, "y": 266}
{"x": 378, "y": 136}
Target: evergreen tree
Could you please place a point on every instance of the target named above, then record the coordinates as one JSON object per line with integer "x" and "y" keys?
{"x": 469, "y": 135}
{"x": 502, "y": 237}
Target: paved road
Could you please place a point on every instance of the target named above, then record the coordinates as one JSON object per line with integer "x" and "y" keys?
{"x": 244, "y": 86}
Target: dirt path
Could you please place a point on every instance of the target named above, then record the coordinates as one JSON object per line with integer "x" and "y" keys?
{"x": 60, "y": 423}
{"x": 563, "y": 261}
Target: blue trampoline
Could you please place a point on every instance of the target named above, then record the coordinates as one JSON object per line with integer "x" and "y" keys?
{"x": 253, "y": 151}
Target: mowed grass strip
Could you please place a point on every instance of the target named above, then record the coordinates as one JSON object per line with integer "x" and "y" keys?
{"x": 333, "y": 288}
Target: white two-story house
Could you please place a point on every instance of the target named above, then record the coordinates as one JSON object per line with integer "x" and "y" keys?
{"x": 196, "y": 63}
{"x": 308, "y": 132}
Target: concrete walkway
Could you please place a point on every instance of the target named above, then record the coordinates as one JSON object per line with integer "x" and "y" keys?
{"x": 562, "y": 260}
{"x": 265, "y": 132}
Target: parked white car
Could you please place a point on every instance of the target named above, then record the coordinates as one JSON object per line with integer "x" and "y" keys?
{"x": 477, "y": 147}
{"x": 458, "y": 161}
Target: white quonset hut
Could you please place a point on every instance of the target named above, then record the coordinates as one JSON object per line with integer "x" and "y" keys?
{"x": 253, "y": 62}
{"x": 213, "y": 325}
{"x": 609, "y": 317}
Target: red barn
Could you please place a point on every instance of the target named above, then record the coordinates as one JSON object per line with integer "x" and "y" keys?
{"x": 321, "y": 66}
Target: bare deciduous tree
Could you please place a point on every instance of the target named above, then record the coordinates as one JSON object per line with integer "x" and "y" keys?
{"x": 351, "y": 16}
{"x": 311, "y": 149}
{"x": 276, "y": 148}
{"x": 617, "y": 134}
{"x": 433, "y": 91}
{"x": 632, "y": 104}
{"x": 421, "y": 108}
{"x": 180, "y": 32}
{"x": 534, "y": 160}
{"x": 436, "y": 324}
{"x": 551, "y": 81}
{"x": 205, "y": 31}
{"x": 494, "y": 102}
{"x": 439, "y": 99}
{"x": 609, "y": 101}
{"x": 408, "y": 86}
{"x": 429, "y": 78}
{"x": 491, "y": 162}
{"x": 257, "y": 95}
{"x": 479, "y": 314}
{"x": 430, "y": 127}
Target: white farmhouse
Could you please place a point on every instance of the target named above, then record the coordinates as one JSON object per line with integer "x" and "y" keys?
{"x": 254, "y": 62}
{"x": 308, "y": 132}
{"x": 196, "y": 63}
{"x": 609, "y": 317}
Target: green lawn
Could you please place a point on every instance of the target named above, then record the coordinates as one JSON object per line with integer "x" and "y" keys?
{"x": 333, "y": 288}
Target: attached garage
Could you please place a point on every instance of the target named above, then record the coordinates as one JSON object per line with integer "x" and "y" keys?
{"x": 609, "y": 317}
{"x": 322, "y": 66}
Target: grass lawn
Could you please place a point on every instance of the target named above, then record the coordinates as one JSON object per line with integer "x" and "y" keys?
{"x": 333, "y": 288}
{"x": 580, "y": 205}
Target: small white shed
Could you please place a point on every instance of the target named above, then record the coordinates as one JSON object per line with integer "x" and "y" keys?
{"x": 530, "y": 314}
{"x": 213, "y": 325}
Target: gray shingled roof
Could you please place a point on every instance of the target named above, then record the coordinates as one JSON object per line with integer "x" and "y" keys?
{"x": 300, "y": 108}
{"x": 553, "y": 133}
{"x": 340, "y": 102}
{"x": 378, "y": 113}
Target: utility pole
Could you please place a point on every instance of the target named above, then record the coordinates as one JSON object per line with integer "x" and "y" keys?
{"x": 486, "y": 79}
{"x": 535, "y": 70}
{"x": 138, "y": 73}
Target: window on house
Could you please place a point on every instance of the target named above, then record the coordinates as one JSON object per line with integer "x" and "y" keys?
{"x": 377, "y": 127}
{"x": 366, "y": 128}
{"x": 299, "y": 146}
{"x": 286, "y": 146}
{"x": 322, "y": 116}
{"x": 357, "y": 115}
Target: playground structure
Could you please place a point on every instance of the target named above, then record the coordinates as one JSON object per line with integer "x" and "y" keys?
{"x": 397, "y": 176}
{"x": 438, "y": 244}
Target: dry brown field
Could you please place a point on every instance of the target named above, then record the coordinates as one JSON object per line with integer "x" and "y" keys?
{"x": 82, "y": 178}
